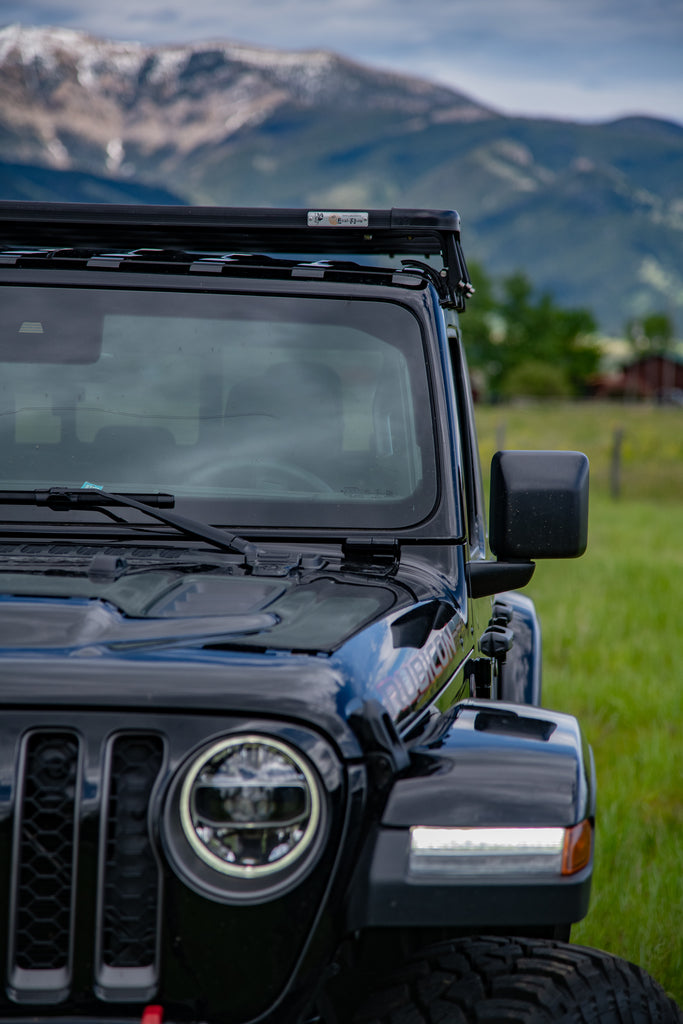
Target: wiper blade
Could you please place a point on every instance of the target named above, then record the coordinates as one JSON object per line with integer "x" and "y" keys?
{"x": 66, "y": 499}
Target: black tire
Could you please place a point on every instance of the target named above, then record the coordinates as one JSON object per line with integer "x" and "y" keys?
{"x": 493, "y": 980}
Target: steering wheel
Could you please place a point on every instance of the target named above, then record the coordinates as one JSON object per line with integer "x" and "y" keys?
{"x": 280, "y": 476}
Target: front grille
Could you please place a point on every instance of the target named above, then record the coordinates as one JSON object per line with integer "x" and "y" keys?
{"x": 45, "y": 877}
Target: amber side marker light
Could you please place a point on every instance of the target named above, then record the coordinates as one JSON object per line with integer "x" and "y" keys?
{"x": 578, "y": 845}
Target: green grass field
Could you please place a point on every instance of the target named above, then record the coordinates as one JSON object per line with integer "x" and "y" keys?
{"x": 613, "y": 656}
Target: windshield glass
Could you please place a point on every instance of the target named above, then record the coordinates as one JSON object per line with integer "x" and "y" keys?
{"x": 280, "y": 410}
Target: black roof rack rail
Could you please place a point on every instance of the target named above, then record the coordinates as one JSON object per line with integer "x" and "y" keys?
{"x": 242, "y": 229}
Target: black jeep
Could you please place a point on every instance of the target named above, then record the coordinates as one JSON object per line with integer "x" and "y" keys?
{"x": 272, "y": 746}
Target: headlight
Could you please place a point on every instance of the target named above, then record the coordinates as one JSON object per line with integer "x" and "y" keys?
{"x": 250, "y": 806}
{"x": 246, "y": 819}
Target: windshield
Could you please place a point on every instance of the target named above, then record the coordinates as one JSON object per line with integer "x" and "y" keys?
{"x": 270, "y": 410}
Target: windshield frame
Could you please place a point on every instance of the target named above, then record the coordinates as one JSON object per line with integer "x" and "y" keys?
{"x": 441, "y": 520}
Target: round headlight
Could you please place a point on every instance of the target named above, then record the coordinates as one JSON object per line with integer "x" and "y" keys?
{"x": 250, "y": 806}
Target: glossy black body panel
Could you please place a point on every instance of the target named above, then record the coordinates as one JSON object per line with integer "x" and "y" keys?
{"x": 520, "y": 675}
{"x": 497, "y": 765}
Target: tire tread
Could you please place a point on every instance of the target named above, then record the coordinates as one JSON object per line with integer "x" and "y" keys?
{"x": 500, "y": 980}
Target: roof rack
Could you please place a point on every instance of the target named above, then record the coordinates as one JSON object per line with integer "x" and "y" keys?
{"x": 243, "y": 229}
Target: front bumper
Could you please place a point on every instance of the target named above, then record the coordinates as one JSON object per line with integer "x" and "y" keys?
{"x": 394, "y": 899}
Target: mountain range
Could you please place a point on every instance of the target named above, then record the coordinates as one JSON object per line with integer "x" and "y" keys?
{"x": 593, "y": 213}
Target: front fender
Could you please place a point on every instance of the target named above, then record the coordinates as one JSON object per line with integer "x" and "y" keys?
{"x": 499, "y": 766}
{"x": 520, "y": 675}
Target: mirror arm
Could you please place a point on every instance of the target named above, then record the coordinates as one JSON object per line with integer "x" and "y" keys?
{"x": 487, "y": 578}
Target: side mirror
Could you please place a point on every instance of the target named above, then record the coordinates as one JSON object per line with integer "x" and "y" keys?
{"x": 539, "y": 505}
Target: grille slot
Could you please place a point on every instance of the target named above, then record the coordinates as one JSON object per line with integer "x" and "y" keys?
{"x": 129, "y": 897}
{"x": 47, "y": 851}
{"x": 44, "y": 865}
{"x": 131, "y": 874}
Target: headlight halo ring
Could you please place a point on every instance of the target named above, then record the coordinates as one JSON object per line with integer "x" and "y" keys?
{"x": 249, "y": 872}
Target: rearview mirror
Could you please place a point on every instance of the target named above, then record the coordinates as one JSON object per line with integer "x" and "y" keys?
{"x": 49, "y": 325}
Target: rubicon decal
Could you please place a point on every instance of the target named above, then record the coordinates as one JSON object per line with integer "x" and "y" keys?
{"x": 422, "y": 673}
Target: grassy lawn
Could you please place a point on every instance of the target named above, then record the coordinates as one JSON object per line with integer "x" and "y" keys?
{"x": 613, "y": 656}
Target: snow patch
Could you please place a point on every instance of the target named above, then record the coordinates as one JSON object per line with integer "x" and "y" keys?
{"x": 58, "y": 152}
{"x": 115, "y": 153}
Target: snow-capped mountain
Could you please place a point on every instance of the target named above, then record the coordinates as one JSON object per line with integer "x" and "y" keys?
{"x": 72, "y": 101}
{"x": 593, "y": 213}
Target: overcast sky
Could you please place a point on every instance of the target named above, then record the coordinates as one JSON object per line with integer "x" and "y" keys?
{"x": 581, "y": 59}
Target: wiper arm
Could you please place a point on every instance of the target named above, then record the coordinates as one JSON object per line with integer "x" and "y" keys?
{"x": 66, "y": 498}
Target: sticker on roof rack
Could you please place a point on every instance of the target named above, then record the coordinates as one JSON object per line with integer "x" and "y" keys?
{"x": 337, "y": 219}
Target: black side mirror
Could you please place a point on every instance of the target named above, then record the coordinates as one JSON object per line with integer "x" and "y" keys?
{"x": 539, "y": 505}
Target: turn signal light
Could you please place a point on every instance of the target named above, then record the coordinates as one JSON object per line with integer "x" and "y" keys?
{"x": 578, "y": 845}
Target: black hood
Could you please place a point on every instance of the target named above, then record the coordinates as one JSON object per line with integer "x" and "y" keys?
{"x": 167, "y": 606}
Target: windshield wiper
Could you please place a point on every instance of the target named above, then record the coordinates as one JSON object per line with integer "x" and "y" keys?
{"x": 61, "y": 499}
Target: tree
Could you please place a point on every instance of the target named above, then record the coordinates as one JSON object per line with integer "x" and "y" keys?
{"x": 536, "y": 379}
{"x": 511, "y": 327}
{"x": 651, "y": 335}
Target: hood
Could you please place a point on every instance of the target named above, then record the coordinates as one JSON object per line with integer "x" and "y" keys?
{"x": 170, "y": 607}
